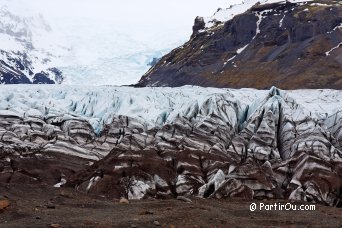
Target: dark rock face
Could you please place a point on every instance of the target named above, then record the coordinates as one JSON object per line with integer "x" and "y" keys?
{"x": 239, "y": 31}
{"x": 290, "y": 46}
{"x": 44, "y": 77}
{"x": 274, "y": 149}
{"x": 154, "y": 61}
{"x": 198, "y": 26}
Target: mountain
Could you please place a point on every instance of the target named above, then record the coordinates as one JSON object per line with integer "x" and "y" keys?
{"x": 22, "y": 59}
{"x": 166, "y": 142}
{"x": 291, "y": 45}
{"x": 40, "y": 46}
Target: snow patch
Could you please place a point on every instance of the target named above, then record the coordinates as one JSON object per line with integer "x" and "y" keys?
{"x": 281, "y": 21}
{"x": 92, "y": 182}
{"x": 62, "y": 182}
{"x": 332, "y": 49}
{"x": 336, "y": 28}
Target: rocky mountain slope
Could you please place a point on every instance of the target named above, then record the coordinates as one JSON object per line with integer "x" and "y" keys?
{"x": 22, "y": 58}
{"x": 162, "y": 142}
{"x": 292, "y": 44}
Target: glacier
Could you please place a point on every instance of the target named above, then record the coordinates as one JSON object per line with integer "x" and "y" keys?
{"x": 211, "y": 142}
{"x": 35, "y": 43}
{"x": 99, "y": 104}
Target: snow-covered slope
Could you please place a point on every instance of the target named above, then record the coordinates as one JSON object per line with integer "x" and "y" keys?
{"x": 26, "y": 47}
{"x": 226, "y": 14}
{"x": 105, "y": 43}
{"x": 87, "y": 50}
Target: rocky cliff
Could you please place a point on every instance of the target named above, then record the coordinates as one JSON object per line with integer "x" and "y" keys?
{"x": 290, "y": 45}
{"x": 157, "y": 142}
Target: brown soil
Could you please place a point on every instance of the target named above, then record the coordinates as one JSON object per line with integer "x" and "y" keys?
{"x": 32, "y": 206}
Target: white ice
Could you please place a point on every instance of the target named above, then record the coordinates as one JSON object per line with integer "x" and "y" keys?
{"x": 98, "y": 104}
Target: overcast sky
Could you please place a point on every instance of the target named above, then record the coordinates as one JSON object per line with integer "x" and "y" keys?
{"x": 132, "y": 10}
{"x": 146, "y": 18}
{"x": 155, "y": 13}
{"x": 130, "y": 15}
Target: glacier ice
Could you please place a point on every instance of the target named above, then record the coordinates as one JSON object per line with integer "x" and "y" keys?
{"x": 187, "y": 140}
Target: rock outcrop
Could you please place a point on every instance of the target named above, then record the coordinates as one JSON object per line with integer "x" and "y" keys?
{"x": 288, "y": 45}
{"x": 229, "y": 143}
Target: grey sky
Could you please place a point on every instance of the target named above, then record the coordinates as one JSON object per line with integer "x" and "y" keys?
{"x": 155, "y": 13}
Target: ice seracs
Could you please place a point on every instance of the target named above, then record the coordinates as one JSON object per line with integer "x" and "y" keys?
{"x": 162, "y": 142}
